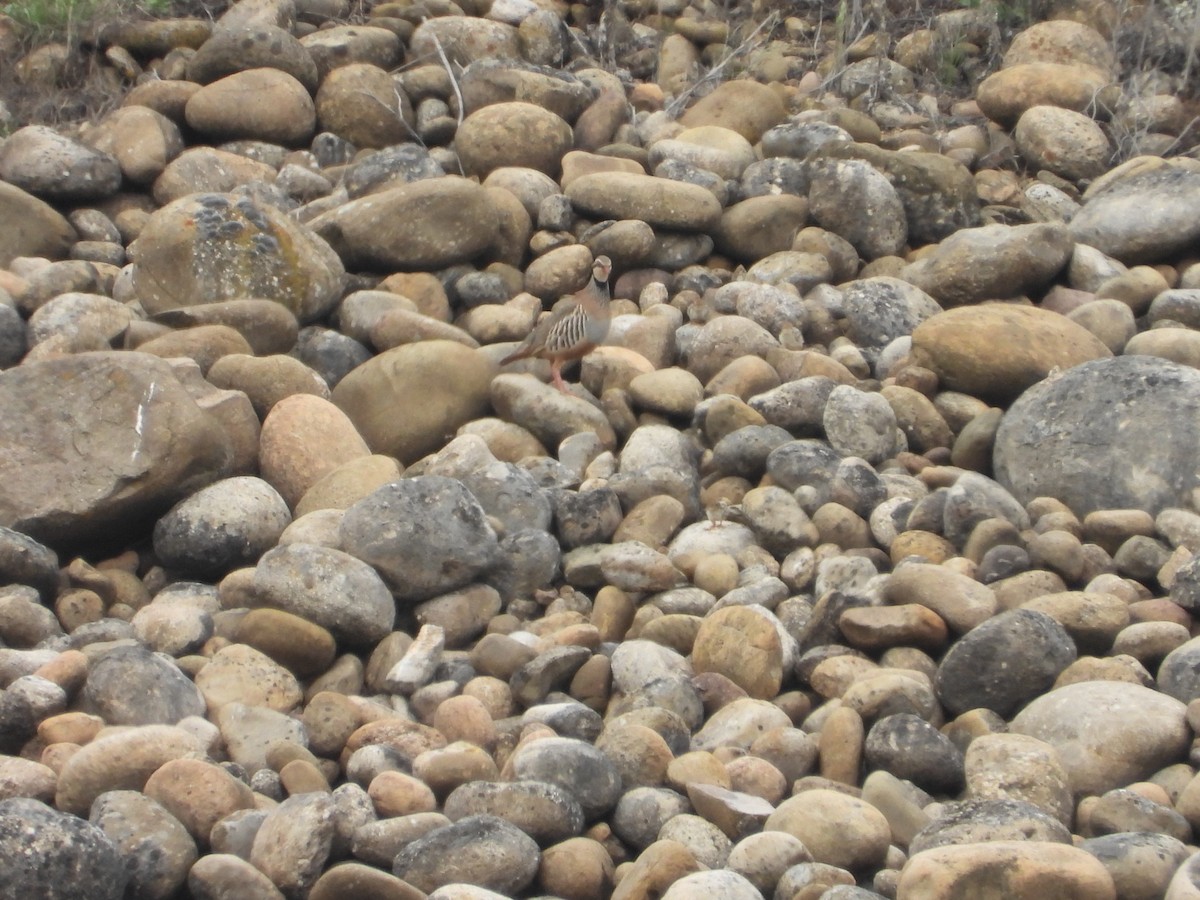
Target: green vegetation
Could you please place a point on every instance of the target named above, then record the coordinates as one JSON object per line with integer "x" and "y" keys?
{"x": 63, "y": 20}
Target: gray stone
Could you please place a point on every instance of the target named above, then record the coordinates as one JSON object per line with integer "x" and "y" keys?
{"x": 1141, "y": 863}
{"x": 1142, "y": 217}
{"x": 883, "y": 308}
{"x": 156, "y": 849}
{"x": 977, "y": 821}
{"x": 1107, "y": 733}
{"x": 148, "y": 443}
{"x": 1072, "y": 437}
{"x": 584, "y": 772}
{"x": 643, "y": 811}
{"x": 56, "y": 856}
{"x": 544, "y": 811}
{"x": 861, "y": 424}
{"x": 908, "y": 747}
{"x": 24, "y": 561}
{"x": 294, "y": 841}
{"x": 132, "y": 686}
{"x": 1004, "y": 662}
{"x": 221, "y": 527}
{"x": 481, "y": 850}
{"x": 329, "y": 588}
{"x": 1179, "y": 672}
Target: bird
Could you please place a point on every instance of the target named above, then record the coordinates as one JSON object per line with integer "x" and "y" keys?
{"x": 577, "y": 325}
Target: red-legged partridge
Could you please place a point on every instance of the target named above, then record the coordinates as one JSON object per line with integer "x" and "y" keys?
{"x": 577, "y": 325}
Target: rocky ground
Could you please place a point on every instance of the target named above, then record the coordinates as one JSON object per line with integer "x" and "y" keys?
{"x": 860, "y": 562}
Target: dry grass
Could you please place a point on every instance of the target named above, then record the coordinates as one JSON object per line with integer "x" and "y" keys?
{"x": 51, "y": 72}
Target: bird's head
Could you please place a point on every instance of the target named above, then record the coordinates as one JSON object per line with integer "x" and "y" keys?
{"x": 601, "y": 269}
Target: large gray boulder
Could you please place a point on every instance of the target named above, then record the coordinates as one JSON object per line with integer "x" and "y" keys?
{"x": 100, "y": 439}
{"x": 1121, "y": 433}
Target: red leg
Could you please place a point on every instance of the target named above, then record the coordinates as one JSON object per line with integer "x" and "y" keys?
{"x": 556, "y": 375}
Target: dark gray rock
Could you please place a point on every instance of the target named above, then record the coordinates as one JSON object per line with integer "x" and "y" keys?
{"x": 529, "y": 560}
{"x": 804, "y": 462}
{"x": 1179, "y": 673}
{"x": 776, "y": 175}
{"x": 798, "y": 406}
{"x": 577, "y": 767}
{"x": 23, "y": 561}
{"x": 486, "y": 851}
{"x": 971, "y": 499}
{"x": 883, "y": 308}
{"x": 12, "y": 337}
{"x": 586, "y": 517}
{"x": 133, "y": 686}
{"x": 425, "y": 535}
{"x": 329, "y": 353}
{"x": 744, "y": 452}
{"x": 857, "y": 486}
{"x": 394, "y": 165}
{"x": 221, "y": 527}
{"x": 25, "y": 703}
{"x": 1141, "y": 863}
{"x": 643, "y": 811}
{"x": 157, "y": 850}
{"x": 50, "y": 855}
{"x": 550, "y": 670}
{"x": 908, "y": 747}
{"x": 1002, "y": 561}
{"x": 1003, "y": 663}
{"x": 505, "y": 491}
{"x": 1073, "y": 436}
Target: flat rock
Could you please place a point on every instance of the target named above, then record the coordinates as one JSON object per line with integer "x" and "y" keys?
{"x": 998, "y": 350}
{"x": 1140, "y": 214}
{"x": 991, "y": 262}
{"x": 1016, "y": 868}
{"x": 428, "y": 224}
{"x": 659, "y": 202}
